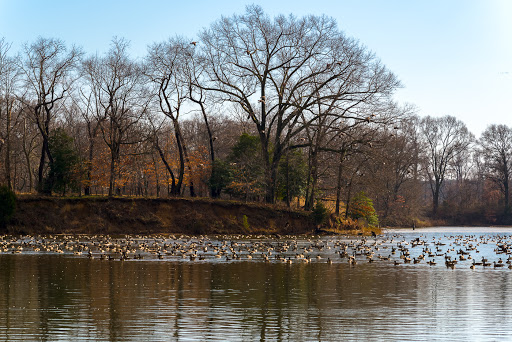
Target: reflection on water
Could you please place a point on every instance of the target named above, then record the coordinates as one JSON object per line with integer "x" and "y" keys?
{"x": 62, "y": 297}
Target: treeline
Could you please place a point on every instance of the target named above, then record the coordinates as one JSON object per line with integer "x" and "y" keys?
{"x": 283, "y": 109}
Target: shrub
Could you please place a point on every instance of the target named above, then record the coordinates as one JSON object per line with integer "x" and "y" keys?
{"x": 320, "y": 213}
{"x": 346, "y": 224}
{"x": 362, "y": 207}
{"x": 245, "y": 222}
{"x": 7, "y": 205}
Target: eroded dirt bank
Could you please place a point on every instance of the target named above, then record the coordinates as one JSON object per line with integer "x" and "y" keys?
{"x": 38, "y": 215}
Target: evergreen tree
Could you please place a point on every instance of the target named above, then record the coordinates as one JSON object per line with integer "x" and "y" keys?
{"x": 64, "y": 172}
{"x": 291, "y": 179}
{"x": 247, "y": 168}
{"x": 220, "y": 177}
{"x": 7, "y": 205}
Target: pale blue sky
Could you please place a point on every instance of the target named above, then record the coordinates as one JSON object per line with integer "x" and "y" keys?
{"x": 453, "y": 56}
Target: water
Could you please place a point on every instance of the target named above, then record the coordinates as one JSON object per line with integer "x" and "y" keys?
{"x": 62, "y": 296}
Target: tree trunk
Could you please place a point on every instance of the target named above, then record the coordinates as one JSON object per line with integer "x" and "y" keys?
{"x": 174, "y": 190}
{"x": 349, "y": 194}
{"x": 87, "y": 188}
{"x": 114, "y": 156}
{"x": 210, "y": 141}
{"x": 287, "y": 179}
{"x": 40, "y": 172}
{"x": 183, "y": 157}
{"x": 338, "y": 185}
{"x": 8, "y": 148}
{"x": 435, "y": 199}
{"x": 506, "y": 188}
{"x": 310, "y": 195}
{"x": 26, "y": 153}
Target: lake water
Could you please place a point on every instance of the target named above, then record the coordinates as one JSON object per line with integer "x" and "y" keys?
{"x": 228, "y": 291}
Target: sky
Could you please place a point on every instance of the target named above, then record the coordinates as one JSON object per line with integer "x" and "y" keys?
{"x": 453, "y": 57}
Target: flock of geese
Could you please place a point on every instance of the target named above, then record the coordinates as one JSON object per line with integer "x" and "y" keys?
{"x": 472, "y": 251}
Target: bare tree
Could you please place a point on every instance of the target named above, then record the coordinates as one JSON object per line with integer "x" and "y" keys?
{"x": 86, "y": 105}
{"x": 116, "y": 83}
{"x": 47, "y": 68}
{"x": 156, "y": 128}
{"x": 496, "y": 144}
{"x": 166, "y": 68}
{"x": 9, "y": 77}
{"x": 196, "y": 94}
{"x": 400, "y": 158}
{"x": 444, "y": 139}
{"x": 30, "y": 142}
{"x": 283, "y": 72}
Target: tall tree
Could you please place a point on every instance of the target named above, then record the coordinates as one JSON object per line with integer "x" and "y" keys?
{"x": 47, "y": 68}
{"x": 167, "y": 70}
{"x": 9, "y": 77}
{"x": 87, "y": 108}
{"x": 398, "y": 161}
{"x": 496, "y": 144}
{"x": 116, "y": 82}
{"x": 283, "y": 72}
{"x": 444, "y": 139}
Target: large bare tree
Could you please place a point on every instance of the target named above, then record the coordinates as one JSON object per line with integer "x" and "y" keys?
{"x": 116, "y": 83}
{"x": 168, "y": 71}
{"x": 444, "y": 138}
{"x": 282, "y": 72}
{"x": 48, "y": 73}
{"x": 496, "y": 144}
{"x": 9, "y": 79}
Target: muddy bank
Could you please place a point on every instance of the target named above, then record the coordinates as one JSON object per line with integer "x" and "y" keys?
{"x": 36, "y": 215}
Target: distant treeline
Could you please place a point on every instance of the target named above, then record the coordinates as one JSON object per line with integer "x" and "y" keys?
{"x": 283, "y": 109}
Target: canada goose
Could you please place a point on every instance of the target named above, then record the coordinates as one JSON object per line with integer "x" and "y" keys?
{"x": 450, "y": 263}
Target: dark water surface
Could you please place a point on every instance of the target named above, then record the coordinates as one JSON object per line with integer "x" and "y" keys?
{"x": 62, "y": 296}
